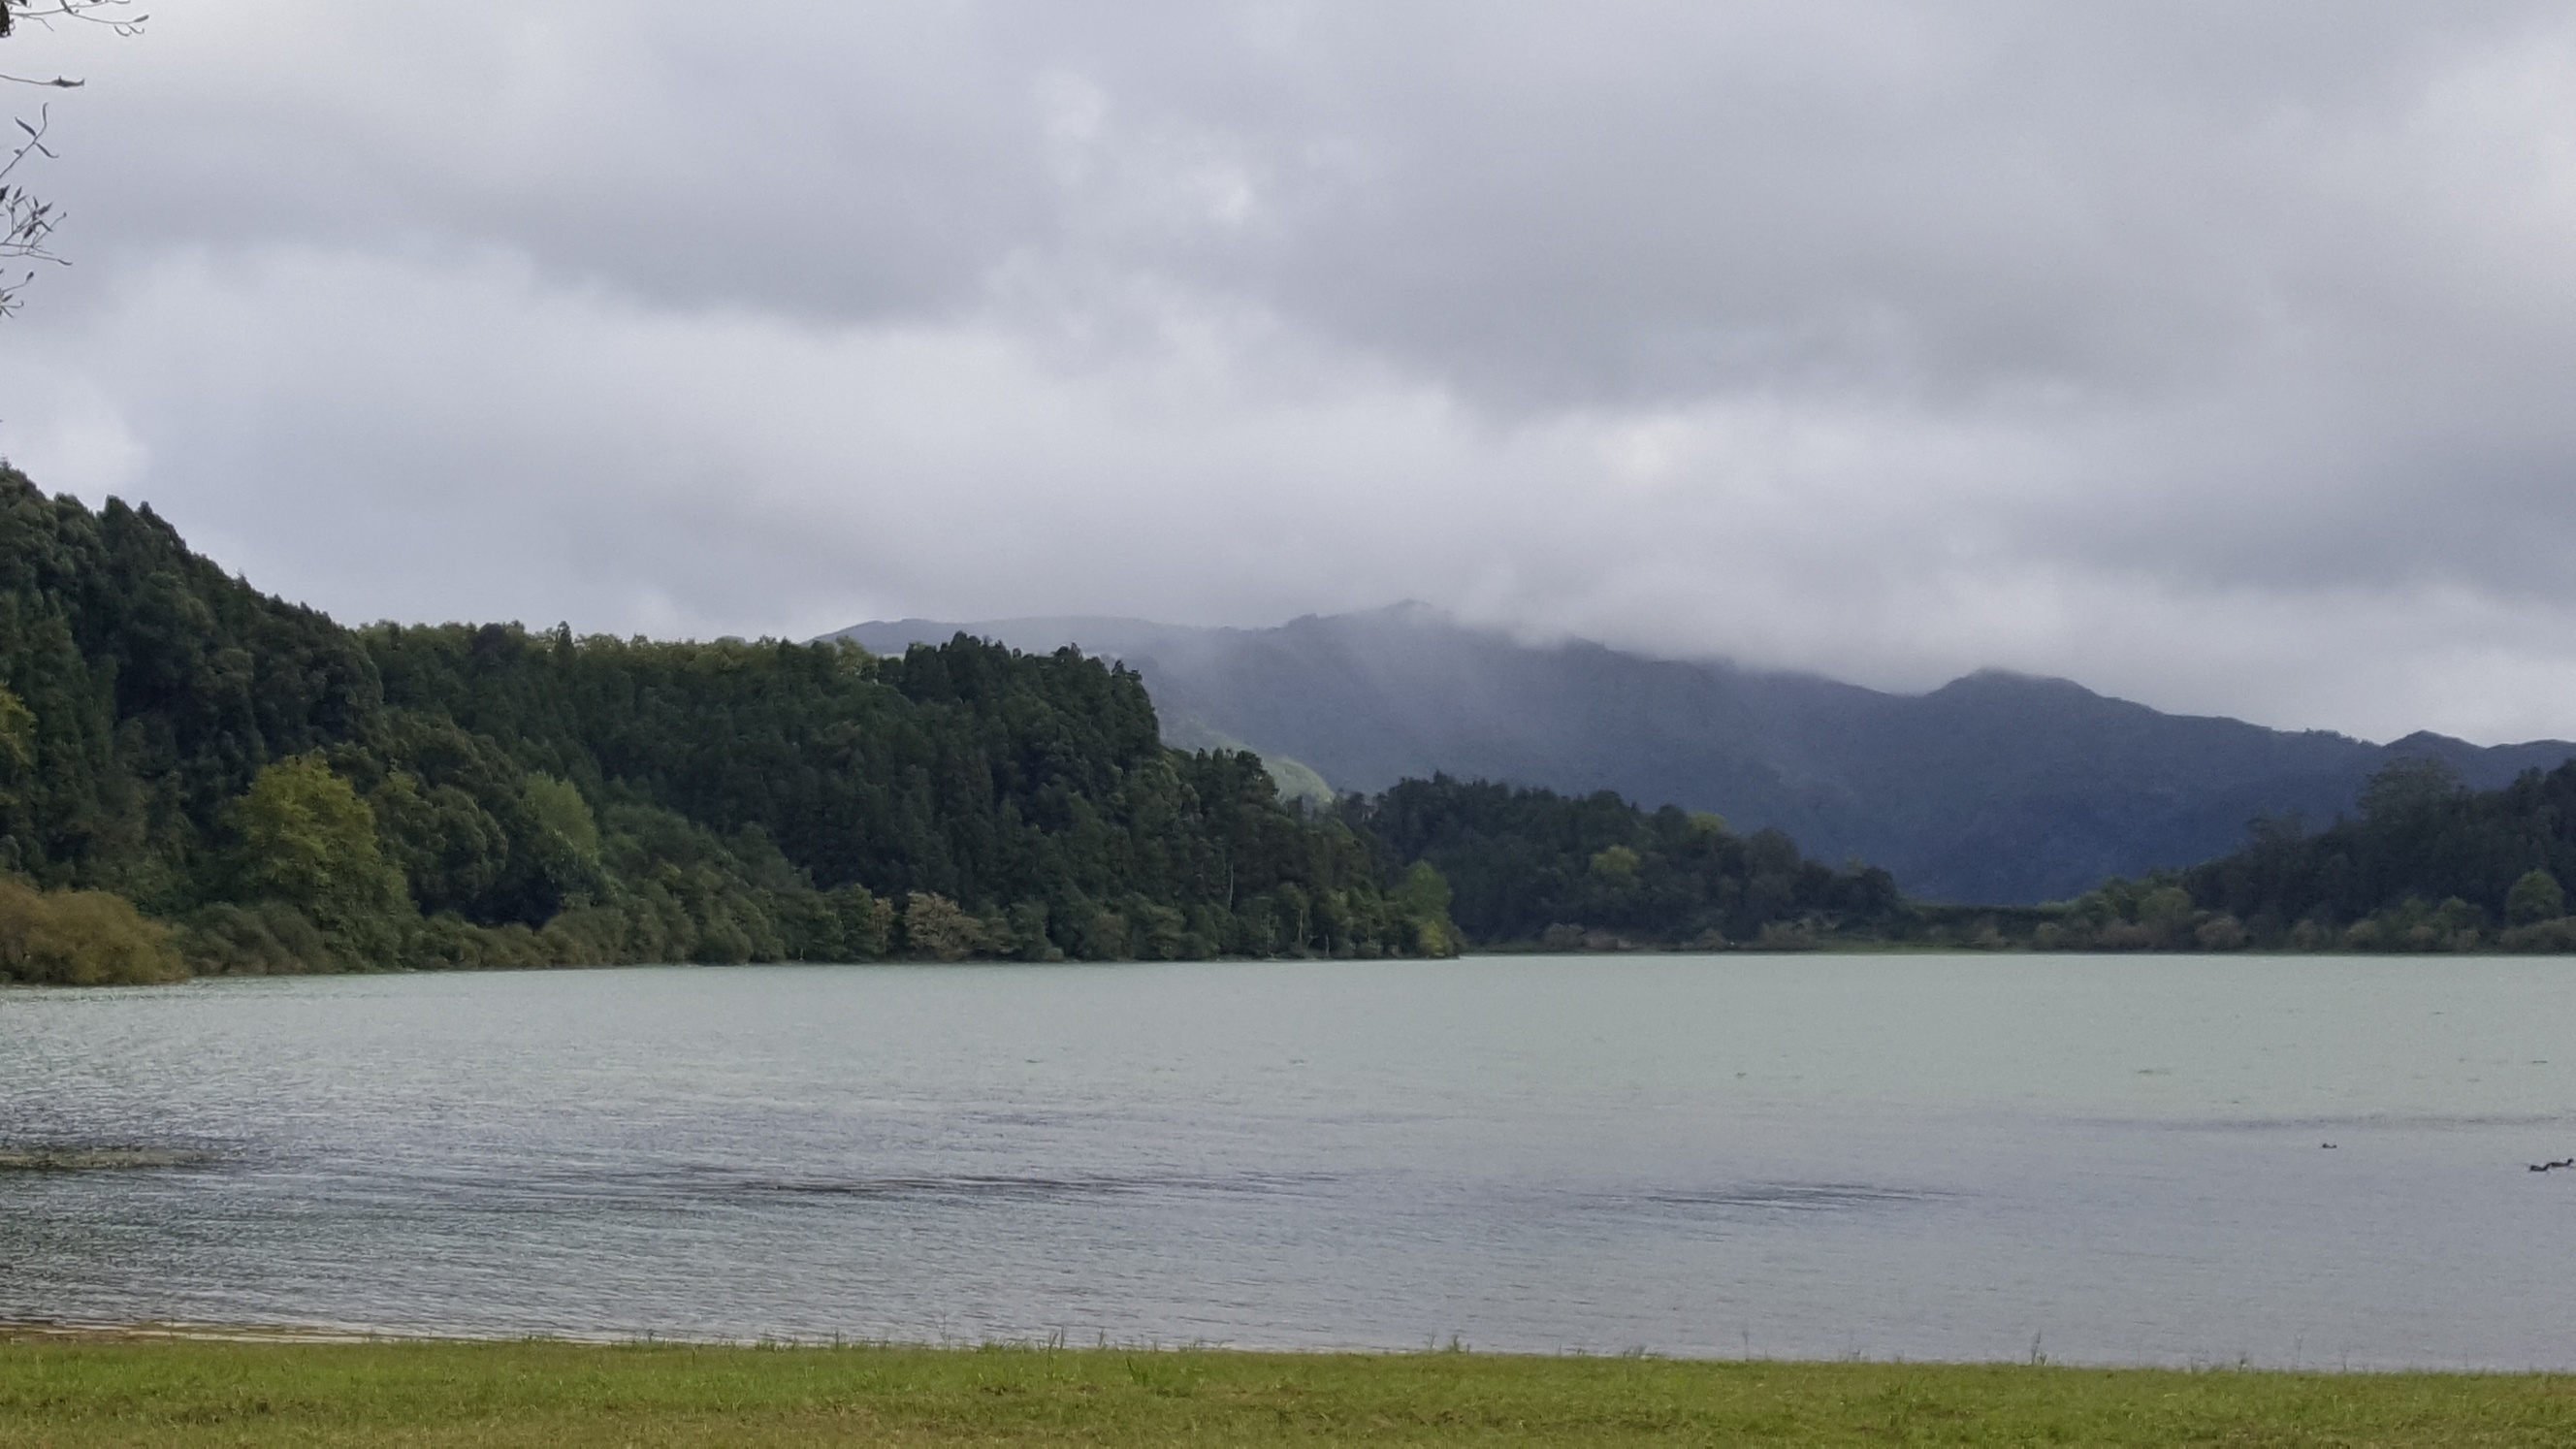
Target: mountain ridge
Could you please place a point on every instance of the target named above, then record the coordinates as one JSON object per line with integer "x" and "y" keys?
{"x": 1996, "y": 786}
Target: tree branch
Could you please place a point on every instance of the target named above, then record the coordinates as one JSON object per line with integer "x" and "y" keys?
{"x": 26, "y": 223}
{"x": 96, "y": 12}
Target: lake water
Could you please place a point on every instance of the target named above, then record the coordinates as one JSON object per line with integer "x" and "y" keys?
{"x": 2115, "y": 1159}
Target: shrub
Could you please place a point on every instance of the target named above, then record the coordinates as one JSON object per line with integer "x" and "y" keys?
{"x": 2221, "y": 932}
{"x": 2552, "y": 937}
{"x": 81, "y": 938}
{"x": 263, "y": 938}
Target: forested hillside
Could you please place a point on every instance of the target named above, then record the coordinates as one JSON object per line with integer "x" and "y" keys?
{"x": 2426, "y": 865}
{"x": 197, "y": 777}
{"x": 277, "y": 792}
{"x": 1596, "y": 871}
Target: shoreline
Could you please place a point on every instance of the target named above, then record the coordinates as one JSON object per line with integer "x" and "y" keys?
{"x": 1506, "y": 952}
{"x": 145, "y": 1332}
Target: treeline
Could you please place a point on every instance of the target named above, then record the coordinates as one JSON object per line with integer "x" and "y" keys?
{"x": 2425, "y": 865}
{"x": 1596, "y": 872}
{"x": 271, "y": 791}
{"x": 196, "y": 777}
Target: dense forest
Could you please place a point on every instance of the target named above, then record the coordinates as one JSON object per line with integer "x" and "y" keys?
{"x": 1597, "y": 872}
{"x": 2426, "y": 865}
{"x": 197, "y": 777}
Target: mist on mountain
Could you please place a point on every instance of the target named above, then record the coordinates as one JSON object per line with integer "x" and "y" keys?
{"x": 1996, "y": 787}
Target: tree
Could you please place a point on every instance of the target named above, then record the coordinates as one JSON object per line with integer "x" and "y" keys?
{"x": 308, "y": 840}
{"x": 1422, "y": 897}
{"x": 934, "y": 927}
{"x": 2536, "y": 897}
{"x": 448, "y": 847}
{"x": 561, "y": 854}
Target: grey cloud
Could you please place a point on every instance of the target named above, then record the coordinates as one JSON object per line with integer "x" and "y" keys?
{"x": 1653, "y": 201}
{"x": 2211, "y": 353}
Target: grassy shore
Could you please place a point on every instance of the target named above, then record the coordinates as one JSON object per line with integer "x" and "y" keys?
{"x": 95, "y": 1392}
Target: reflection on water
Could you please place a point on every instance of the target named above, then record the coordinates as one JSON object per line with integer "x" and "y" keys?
{"x": 1918, "y": 1157}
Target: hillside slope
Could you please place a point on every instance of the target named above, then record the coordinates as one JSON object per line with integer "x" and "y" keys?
{"x": 291, "y": 794}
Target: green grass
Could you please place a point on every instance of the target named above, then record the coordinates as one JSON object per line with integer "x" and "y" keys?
{"x": 73, "y": 1393}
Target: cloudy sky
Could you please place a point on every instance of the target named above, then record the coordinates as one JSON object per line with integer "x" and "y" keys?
{"x": 2218, "y": 356}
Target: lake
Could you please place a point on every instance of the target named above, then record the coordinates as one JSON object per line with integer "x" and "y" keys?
{"x": 2100, "y": 1159}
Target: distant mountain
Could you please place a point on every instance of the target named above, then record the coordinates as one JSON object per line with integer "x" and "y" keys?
{"x": 1997, "y": 787}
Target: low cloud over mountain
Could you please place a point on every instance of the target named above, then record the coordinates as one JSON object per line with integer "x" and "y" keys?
{"x": 1995, "y": 787}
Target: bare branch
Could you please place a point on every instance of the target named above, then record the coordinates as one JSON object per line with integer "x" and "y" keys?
{"x": 35, "y": 142}
{"x": 109, "y": 13}
{"x": 26, "y": 223}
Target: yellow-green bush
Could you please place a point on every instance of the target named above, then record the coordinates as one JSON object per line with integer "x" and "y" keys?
{"x": 81, "y": 938}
